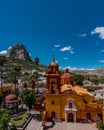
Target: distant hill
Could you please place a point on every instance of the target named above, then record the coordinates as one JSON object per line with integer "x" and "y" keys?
{"x": 95, "y": 76}
{"x": 18, "y": 51}
{"x": 18, "y": 55}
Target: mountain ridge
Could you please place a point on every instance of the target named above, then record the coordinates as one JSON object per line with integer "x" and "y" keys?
{"x": 18, "y": 51}
{"x": 18, "y": 55}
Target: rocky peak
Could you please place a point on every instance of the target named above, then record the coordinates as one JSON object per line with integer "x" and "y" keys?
{"x": 18, "y": 51}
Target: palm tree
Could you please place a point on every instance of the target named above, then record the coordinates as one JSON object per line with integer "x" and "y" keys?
{"x": 12, "y": 77}
{"x": 36, "y": 61}
{"x": 2, "y": 61}
{"x": 33, "y": 80}
{"x": 30, "y": 79}
{"x": 28, "y": 98}
{"x": 16, "y": 71}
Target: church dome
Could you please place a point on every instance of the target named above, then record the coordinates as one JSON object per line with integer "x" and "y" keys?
{"x": 11, "y": 97}
{"x": 66, "y": 75}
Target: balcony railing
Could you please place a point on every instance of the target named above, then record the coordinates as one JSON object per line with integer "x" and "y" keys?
{"x": 70, "y": 109}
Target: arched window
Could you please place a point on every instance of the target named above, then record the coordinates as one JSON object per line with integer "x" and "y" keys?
{"x": 53, "y": 69}
{"x": 53, "y": 87}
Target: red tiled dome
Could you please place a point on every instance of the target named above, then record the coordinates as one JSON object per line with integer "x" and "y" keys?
{"x": 11, "y": 97}
{"x": 66, "y": 75}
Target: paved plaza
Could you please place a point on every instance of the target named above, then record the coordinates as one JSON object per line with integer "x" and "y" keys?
{"x": 35, "y": 123}
{"x": 70, "y": 126}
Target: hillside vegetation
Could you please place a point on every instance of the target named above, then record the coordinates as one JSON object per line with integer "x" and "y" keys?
{"x": 19, "y": 56}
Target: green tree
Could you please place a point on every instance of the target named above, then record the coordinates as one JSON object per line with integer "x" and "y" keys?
{"x": 89, "y": 88}
{"x": 4, "y": 119}
{"x": 12, "y": 77}
{"x": 33, "y": 80}
{"x": 28, "y": 98}
{"x": 2, "y": 62}
{"x": 78, "y": 78}
{"x": 25, "y": 78}
{"x": 30, "y": 79}
{"x": 100, "y": 125}
{"x": 1, "y": 98}
{"x": 36, "y": 62}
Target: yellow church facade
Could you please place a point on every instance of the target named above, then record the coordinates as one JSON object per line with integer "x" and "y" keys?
{"x": 67, "y": 101}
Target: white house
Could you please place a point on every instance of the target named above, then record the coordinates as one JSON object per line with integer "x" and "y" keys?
{"x": 98, "y": 94}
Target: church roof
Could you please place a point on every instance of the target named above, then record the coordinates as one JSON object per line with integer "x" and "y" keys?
{"x": 11, "y": 97}
{"x": 77, "y": 89}
{"x": 66, "y": 87}
{"x": 66, "y": 75}
{"x": 81, "y": 90}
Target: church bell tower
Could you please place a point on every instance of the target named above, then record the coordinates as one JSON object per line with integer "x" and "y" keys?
{"x": 53, "y": 79}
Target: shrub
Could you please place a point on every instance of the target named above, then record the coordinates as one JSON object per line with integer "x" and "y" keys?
{"x": 100, "y": 125}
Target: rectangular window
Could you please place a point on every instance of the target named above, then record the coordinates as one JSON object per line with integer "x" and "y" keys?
{"x": 52, "y": 102}
{"x": 70, "y": 105}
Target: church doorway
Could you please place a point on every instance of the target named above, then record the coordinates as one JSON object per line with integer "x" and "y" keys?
{"x": 70, "y": 117}
{"x": 88, "y": 116}
{"x": 53, "y": 114}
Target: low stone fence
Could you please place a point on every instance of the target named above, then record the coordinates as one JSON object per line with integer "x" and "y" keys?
{"x": 25, "y": 124}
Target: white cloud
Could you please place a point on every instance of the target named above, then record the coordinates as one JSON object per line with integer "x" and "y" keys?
{"x": 58, "y": 45}
{"x": 101, "y": 61}
{"x": 70, "y": 68}
{"x": 68, "y": 48}
{"x": 4, "y": 52}
{"x": 102, "y": 50}
{"x": 99, "y": 31}
{"x": 67, "y": 67}
{"x": 72, "y": 52}
{"x": 9, "y": 47}
{"x": 90, "y": 69}
{"x": 29, "y": 54}
{"x": 75, "y": 68}
{"x": 65, "y": 58}
{"x": 83, "y": 35}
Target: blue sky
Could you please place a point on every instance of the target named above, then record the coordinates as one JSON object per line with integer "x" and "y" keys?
{"x": 71, "y": 31}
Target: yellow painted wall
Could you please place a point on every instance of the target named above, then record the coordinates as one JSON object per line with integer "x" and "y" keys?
{"x": 53, "y": 107}
{"x": 6, "y": 88}
{"x": 60, "y": 101}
